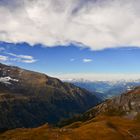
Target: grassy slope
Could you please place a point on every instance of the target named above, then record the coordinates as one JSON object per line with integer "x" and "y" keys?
{"x": 37, "y": 98}
{"x": 99, "y": 128}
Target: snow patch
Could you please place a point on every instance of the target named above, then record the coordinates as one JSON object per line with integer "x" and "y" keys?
{"x": 6, "y": 80}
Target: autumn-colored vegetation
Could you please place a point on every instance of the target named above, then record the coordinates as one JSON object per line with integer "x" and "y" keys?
{"x": 99, "y": 128}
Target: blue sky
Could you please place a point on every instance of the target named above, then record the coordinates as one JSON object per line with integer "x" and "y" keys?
{"x": 73, "y": 37}
{"x": 72, "y": 59}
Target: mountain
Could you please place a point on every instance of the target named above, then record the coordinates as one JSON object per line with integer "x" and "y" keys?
{"x": 126, "y": 105}
{"x": 107, "y": 89}
{"x": 114, "y": 119}
{"x": 29, "y": 99}
{"x": 99, "y": 128}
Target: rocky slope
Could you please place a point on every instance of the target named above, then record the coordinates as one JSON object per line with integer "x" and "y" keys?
{"x": 115, "y": 119}
{"x": 29, "y": 99}
{"x": 126, "y": 105}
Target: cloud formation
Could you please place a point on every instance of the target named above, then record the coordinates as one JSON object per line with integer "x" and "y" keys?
{"x": 96, "y": 76}
{"x": 21, "y": 58}
{"x": 9, "y": 57}
{"x": 87, "y": 60}
{"x": 97, "y": 24}
{"x": 3, "y": 58}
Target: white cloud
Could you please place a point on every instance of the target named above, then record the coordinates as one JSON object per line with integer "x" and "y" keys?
{"x": 96, "y": 76}
{"x": 21, "y": 58}
{"x": 98, "y": 24}
{"x": 28, "y": 60}
{"x": 87, "y": 60}
{"x": 3, "y": 58}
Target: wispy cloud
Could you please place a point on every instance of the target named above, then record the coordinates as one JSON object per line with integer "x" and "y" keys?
{"x": 9, "y": 57}
{"x": 98, "y": 24}
{"x": 22, "y": 58}
{"x": 87, "y": 60}
{"x": 28, "y": 60}
{"x": 3, "y": 58}
{"x": 97, "y": 76}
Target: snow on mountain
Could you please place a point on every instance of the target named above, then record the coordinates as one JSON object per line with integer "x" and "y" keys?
{"x": 107, "y": 88}
{"x": 7, "y": 79}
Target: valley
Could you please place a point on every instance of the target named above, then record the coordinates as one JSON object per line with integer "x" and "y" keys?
{"x": 35, "y": 106}
{"x": 106, "y": 89}
{"x": 29, "y": 99}
{"x": 99, "y": 123}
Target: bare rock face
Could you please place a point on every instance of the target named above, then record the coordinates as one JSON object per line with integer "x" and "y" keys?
{"x": 29, "y": 99}
{"x": 126, "y": 105}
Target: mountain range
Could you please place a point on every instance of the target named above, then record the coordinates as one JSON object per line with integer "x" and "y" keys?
{"x": 114, "y": 119}
{"x": 30, "y": 99}
{"x": 39, "y": 107}
{"x": 106, "y": 89}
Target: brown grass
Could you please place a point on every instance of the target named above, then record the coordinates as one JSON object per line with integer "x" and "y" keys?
{"x": 99, "y": 128}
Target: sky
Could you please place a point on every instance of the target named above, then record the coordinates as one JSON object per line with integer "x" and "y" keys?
{"x": 91, "y": 39}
